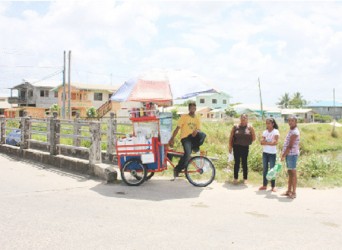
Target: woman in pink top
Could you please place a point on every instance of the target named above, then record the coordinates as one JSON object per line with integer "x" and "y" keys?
{"x": 290, "y": 153}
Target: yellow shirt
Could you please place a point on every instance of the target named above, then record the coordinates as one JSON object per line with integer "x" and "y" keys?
{"x": 188, "y": 125}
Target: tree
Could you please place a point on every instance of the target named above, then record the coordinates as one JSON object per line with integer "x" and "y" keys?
{"x": 230, "y": 111}
{"x": 91, "y": 112}
{"x": 297, "y": 101}
{"x": 54, "y": 108}
{"x": 284, "y": 101}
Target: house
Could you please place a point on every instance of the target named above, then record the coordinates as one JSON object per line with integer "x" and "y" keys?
{"x": 214, "y": 100}
{"x": 4, "y": 105}
{"x": 84, "y": 96}
{"x": 255, "y": 110}
{"x": 327, "y": 108}
{"x": 306, "y": 115}
{"x": 29, "y": 94}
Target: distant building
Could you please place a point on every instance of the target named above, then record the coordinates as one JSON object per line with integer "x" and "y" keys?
{"x": 83, "y": 96}
{"x": 327, "y": 108}
{"x": 37, "y": 95}
{"x": 306, "y": 115}
{"x": 216, "y": 100}
{"x": 4, "y": 105}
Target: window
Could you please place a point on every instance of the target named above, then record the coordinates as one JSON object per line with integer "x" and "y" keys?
{"x": 214, "y": 101}
{"x": 23, "y": 94}
{"x": 73, "y": 96}
{"x": 202, "y": 100}
{"x": 30, "y": 93}
{"x": 56, "y": 94}
{"x": 224, "y": 101}
{"x": 44, "y": 93}
{"x": 97, "y": 96}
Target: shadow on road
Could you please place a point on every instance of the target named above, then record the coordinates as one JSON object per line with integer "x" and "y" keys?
{"x": 154, "y": 190}
{"x": 273, "y": 196}
{"x": 62, "y": 172}
{"x": 229, "y": 185}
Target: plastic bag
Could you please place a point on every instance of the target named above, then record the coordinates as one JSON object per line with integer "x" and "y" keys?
{"x": 273, "y": 172}
{"x": 230, "y": 157}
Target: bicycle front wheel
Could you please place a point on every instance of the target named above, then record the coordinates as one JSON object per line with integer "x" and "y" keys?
{"x": 133, "y": 172}
{"x": 200, "y": 171}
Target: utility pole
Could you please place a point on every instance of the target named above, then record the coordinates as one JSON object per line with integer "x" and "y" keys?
{"x": 63, "y": 96}
{"x": 69, "y": 88}
{"x": 262, "y": 110}
{"x": 334, "y": 104}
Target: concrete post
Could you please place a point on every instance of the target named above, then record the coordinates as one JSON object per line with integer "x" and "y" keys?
{"x": 77, "y": 130}
{"x": 2, "y": 129}
{"x": 55, "y": 129}
{"x": 111, "y": 135}
{"x": 95, "y": 147}
{"x": 25, "y": 131}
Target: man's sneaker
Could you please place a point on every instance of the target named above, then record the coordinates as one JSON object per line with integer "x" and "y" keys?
{"x": 195, "y": 150}
{"x": 175, "y": 172}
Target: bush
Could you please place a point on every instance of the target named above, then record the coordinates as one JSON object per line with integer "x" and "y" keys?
{"x": 322, "y": 118}
{"x": 316, "y": 166}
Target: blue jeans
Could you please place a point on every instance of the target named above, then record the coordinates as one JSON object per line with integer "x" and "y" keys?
{"x": 291, "y": 162}
{"x": 189, "y": 143}
{"x": 271, "y": 159}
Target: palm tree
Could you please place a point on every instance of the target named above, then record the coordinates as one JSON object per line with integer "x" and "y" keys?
{"x": 297, "y": 100}
{"x": 284, "y": 101}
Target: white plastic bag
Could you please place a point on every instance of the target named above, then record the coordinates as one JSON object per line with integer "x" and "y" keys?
{"x": 230, "y": 157}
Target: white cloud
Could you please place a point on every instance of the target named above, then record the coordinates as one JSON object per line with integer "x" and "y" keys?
{"x": 291, "y": 46}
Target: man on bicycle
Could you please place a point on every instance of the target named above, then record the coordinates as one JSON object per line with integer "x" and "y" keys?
{"x": 191, "y": 136}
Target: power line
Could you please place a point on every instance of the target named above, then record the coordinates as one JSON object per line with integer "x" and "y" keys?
{"x": 25, "y": 66}
{"x": 49, "y": 76}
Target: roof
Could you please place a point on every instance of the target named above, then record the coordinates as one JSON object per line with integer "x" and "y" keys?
{"x": 84, "y": 86}
{"x": 295, "y": 111}
{"x": 213, "y": 93}
{"x": 324, "y": 104}
{"x": 36, "y": 84}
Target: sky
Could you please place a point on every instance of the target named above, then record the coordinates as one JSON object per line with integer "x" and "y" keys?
{"x": 290, "y": 46}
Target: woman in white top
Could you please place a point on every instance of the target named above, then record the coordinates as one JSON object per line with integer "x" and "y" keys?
{"x": 269, "y": 142}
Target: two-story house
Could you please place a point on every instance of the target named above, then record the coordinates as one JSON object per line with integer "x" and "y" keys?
{"x": 35, "y": 98}
{"x": 212, "y": 105}
{"x": 83, "y": 96}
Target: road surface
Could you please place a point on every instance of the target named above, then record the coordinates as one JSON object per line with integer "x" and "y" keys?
{"x": 45, "y": 208}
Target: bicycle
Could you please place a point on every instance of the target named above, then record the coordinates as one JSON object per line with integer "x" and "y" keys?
{"x": 135, "y": 170}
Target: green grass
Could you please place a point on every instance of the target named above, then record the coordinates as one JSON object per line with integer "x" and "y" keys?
{"x": 318, "y": 165}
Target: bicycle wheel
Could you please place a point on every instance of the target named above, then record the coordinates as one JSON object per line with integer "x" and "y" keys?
{"x": 200, "y": 171}
{"x": 133, "y": 172}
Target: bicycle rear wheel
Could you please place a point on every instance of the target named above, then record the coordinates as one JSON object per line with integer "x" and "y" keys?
{"x": 133, "y": 172}
{"x": 200, "y": 171}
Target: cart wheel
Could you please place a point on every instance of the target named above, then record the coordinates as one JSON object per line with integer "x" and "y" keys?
{"x": 200, "y": 171}
{"x": 133, "y": 172}
{"x": 149, "y": 175}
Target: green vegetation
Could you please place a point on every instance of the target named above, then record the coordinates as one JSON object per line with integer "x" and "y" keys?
{"x": 297, "y": 101}
{"x": 319, "y": 163}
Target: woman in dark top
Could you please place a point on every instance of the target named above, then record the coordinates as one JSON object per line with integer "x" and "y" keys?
{"x": 241, "y": 136}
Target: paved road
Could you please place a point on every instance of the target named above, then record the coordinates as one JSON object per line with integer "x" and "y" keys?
{"x": 44, "y": 208}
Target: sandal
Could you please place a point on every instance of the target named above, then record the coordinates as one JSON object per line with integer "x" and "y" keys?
{"x": 292, "y": 196}
{"x": 262, "y": 188}
{"x": 274, "y": 189}
{"x": 287, "y": 193}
